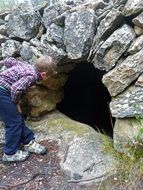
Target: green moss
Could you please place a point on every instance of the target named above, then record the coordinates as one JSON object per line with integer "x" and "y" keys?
{"x": 58, "y": 123}
{"x": 66, "y": 124}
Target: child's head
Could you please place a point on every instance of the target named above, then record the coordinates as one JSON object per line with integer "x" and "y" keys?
{"x": 46, "y": 66}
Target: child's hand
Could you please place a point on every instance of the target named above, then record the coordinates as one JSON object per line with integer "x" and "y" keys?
{"x": 19, "y": 108}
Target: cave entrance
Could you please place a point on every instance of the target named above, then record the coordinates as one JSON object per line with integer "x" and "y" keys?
{"x": 86, "y": 99}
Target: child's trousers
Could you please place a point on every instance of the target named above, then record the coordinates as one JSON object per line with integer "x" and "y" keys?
{"x": 15, "y": 130}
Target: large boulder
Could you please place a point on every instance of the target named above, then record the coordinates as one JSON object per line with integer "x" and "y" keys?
{"x": 39, "y": 100}
{"x": 50, "y": 13}
{"x": 23, "y": 23}
{"x": 82, "y": 151}
{"x": 128, "y": 132}
{"x": 132, "y": 7}
{"x": 138, "y": 21}
{"x": 106, "y": 27}
{"x": 78, "y": 33}
{"x": 3, "y": 39}
{"x": 111, "y": 50}
{"x": 124, "y": 74}
{"x": 10, "y": 48}
{"x": 129, "y": 103}
{"x": 55, "y": 35}
{"x": 136, "y": 45}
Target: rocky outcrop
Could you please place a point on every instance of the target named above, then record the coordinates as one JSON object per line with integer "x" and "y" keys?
{"x": 112, "y": 49}
{"x": 77, "y": 141}
{"x": 128, "y": 133}
{"x": 78, "y": 33}
{"x": 124, "y": 73}
{"x": 106, "y": 33}
{"x": 23, "y": 23}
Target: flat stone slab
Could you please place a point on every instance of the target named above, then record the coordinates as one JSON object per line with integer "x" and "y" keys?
{"x": 81, "y": 147}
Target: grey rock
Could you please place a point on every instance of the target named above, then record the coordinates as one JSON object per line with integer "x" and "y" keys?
{"x": 35, "y": 42}
{"x": 50, "y": 49}
{"x": 124, "y": 74}
{"x": 136, "y": 45}
{"x": 55, "y": 34}
{"x": 138, "y": 21}
{"x": 127, "y": 134}
{"x": 139, "y": 82}
{"x": 51, "y": 12}
{"x": 129, "y": 103}
{"x": 138, "y": 30}
{"x": 81, "y": 148}
{"x": 79, "y": 32}
{"x": 132, "y": 7}
{"x": 23, "y": 24}
{"x": 36, "y": 51}
{"x": 106, "y": 27}
{"x": 118, "y": 3}
{"x": 38, "y": 4}
{"x": 2, "y": 22}
{"x": 7, "y": 17}
{"x": 111, "y": 50}
{"x": 25, "y": 51}
{"x": 100, "y": 7}
{"x": 10, "y": 48}
{"x": 1, "y": 57}
{"x": 3, "y": 30}
{"x": 2, "y": 39}
{"x": 46, "y": 38}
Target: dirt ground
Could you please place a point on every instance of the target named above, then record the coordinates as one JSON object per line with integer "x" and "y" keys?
{"x": 36, "y": 173}
{"x": 41, "y": 173}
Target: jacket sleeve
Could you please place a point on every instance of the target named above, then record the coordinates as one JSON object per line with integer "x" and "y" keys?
{"x": 20, "y": 86}
{"x": 11, "y": 61}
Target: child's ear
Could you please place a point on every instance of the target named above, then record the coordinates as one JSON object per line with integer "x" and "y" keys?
{"x": 43, "y": 75}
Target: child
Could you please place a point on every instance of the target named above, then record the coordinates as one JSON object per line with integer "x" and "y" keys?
{"x": 13, "y": 82}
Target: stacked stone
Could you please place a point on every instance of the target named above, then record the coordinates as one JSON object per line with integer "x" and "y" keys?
{"x": 108, "y": 33}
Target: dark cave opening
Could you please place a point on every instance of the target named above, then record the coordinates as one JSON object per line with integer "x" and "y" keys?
{"x": 86, "y": 99}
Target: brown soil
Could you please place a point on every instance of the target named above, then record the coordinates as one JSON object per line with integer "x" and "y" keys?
{"x": 36, "y": 173}
{"x": 42, "y": 173}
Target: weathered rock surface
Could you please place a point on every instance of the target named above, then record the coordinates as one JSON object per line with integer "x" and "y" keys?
{"x": 111, "y": 50}
{"x": 138, "y": 30}
{"x": 106, "y": 27}
{"x": 39, "y": 100}
{"x": 128, "y": 133}
{"x": 25, "y": 51}
{"x": 78, "y": 33}
{"x": 50, "y": 13}
{"x": 119, "y": 4}
{"x": 10, "y": 48}
{"x": 139, "y": 82}
{"x": 129, "y": 103}
{"x": 133, "y": 6}
{"x": 124, "y": 74}
{"x": 2, "y": 39}
{"x": 55, "y": 35}
{"x": 136, "y": 45}
{"x": 23, "y": 24}
{"x": 78, "y": 141}
{"x": 138, "y": 21}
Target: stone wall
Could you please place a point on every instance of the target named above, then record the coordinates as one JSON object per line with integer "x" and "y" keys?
{"x": 108, "y": 33}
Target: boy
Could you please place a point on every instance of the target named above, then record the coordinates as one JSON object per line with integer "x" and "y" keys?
{"x": 13, "y": 82}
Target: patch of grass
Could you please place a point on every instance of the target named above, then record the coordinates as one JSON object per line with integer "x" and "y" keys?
{"x": 130, "y": 166}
